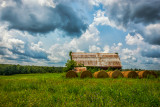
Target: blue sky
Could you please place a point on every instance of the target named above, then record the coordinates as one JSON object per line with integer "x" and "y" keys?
{"x": 42, "y": 32}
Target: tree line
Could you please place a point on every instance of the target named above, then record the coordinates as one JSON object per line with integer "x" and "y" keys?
{"x": 8, "y": 69}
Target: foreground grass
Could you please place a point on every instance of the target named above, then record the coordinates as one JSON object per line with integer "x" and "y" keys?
{"x": 55, "y": 90}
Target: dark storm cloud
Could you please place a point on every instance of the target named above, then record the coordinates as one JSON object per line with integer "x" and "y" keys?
{"x": 137, "y": 11}
{"x": 19, "y": 59}
{"x": 152, "y": 34}
{"x": 135, "y": 15}
{"x": 35, "y": 18}
{"x": 151, "y": 53}
{"x": 148, "y": 61}
{"x": 2, "y": 51}
{"x": 31, "y": 54}
{"x": 22, "y": 50}
{"x": 28, "y": 52}
{"x": 153, "y": 39}
{"x": 146, "y": 11}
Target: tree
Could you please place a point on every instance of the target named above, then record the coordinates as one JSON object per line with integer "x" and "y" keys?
{"x": 69, "y": 65}
{"x": 70, "y": 55}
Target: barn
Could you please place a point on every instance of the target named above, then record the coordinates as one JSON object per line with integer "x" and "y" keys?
{"x": 101, "y": 60}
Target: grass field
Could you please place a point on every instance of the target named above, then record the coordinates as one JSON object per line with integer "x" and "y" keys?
{"x": 53, "y": 89}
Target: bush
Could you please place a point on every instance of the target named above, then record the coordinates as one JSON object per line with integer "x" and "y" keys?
{"x": 93, "y": 69}
{"x": 69, "y": 65}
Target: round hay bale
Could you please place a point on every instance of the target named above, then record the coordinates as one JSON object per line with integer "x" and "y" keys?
{"x": 144, "y": 74}
{"x": 115, "y": 74}
{"x": 154, "y": 74}
{"x": 130, "y": 74}
{"x": 71, "y": 74}
{"x": 100, "y": 74}
{"x": 86, "y": 74}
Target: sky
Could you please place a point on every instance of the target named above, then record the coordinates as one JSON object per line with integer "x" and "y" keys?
{"x": 43, "y": 32}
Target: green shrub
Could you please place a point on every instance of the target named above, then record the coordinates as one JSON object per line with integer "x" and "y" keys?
{"x": 69, "y": 65}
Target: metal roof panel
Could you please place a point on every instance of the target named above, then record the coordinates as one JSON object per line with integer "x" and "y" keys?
{"x": 97, "y": 59}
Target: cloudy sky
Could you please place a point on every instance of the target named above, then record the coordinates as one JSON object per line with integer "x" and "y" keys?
{"x": 42, "y": 32}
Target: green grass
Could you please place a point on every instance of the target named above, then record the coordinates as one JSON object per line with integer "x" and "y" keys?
{"x": 53, "y": 89}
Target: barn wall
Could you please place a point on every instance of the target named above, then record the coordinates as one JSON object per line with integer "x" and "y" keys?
{"x": 103, "y": 60}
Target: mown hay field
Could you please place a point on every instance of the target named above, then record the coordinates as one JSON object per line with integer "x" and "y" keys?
{"x": 54, "y": 89}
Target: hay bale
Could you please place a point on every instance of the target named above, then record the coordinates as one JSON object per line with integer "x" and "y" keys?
{"x": 154, "y": 74}
{"x": 144, "y": 74}
{"x": 115, "y": 74}
{"x": 101, "y": 74}
{"x": 130, "y": 74}
{"x": 71, "y": 74}
{"x": 85, "y": 74}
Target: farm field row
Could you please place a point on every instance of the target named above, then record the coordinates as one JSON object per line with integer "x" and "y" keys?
{"x": 53, "y": 89}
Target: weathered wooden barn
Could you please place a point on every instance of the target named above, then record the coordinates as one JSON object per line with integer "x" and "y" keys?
{"x": 101, "y": 60}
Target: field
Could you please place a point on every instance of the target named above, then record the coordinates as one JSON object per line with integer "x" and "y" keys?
{"x": 53, "y": 89}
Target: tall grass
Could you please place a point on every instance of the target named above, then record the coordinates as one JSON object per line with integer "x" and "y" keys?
{"x": 53, "y": 89}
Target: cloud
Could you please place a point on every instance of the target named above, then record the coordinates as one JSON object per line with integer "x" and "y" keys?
{"x": 18, "y": 59}
{"x": 15, "y": 45}
{"x": 116, "y": 47}
{"x": 127, "y": 54}
{"x": 94, "y": 49}
{"x": 124, "y": 12}
{"x": 101, "y": 19}
{"x": 35, "y": 51}
{"x": 152, "y": 53}
{"x": 40, "y": 18}
{"x": 134, "y": 40}
{"x": 94, "y": 2}
{"x": 152, "y": 34}
{"x": 3, "y": 51}
{"x": 106, "y": 49}
{"x": 146, "y": 11}
{"x": 32, "y": 51}
{"x": 145, "y": 49}
{"x": 141, "y": 17}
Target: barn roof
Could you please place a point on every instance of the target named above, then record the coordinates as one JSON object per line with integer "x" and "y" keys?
{"x": 97, "y": 59}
